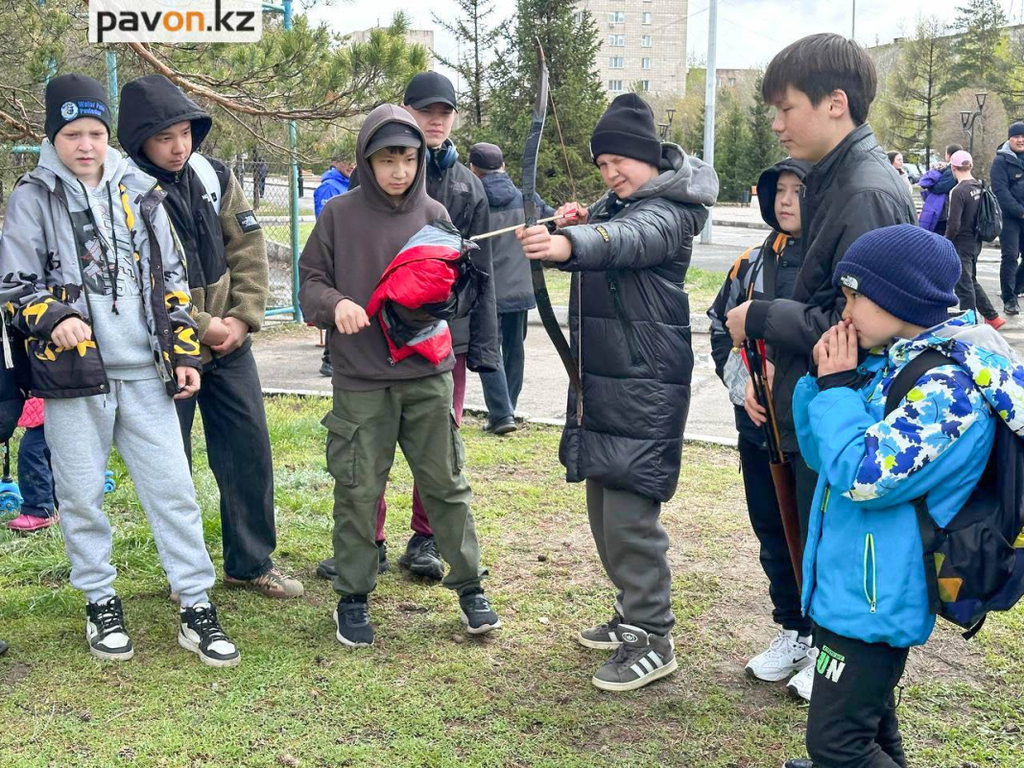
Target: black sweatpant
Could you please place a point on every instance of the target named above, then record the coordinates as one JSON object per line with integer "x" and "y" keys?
{"x": 230, "y": 401}
{"x": 852, "y": 720}
{"x": 1011, "y": 271}
{"x": 969, "y": 292}
{"x": 765, "y": 519}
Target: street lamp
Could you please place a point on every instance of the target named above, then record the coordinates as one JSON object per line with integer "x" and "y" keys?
{"x": 968, "y": 117}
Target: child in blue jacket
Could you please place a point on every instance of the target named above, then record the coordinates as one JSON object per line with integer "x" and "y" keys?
{"x": 864, "y": 578}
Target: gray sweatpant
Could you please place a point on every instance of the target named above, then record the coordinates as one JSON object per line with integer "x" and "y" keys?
{"x": 139, "y": 418}
{"x": 633, "y": 547}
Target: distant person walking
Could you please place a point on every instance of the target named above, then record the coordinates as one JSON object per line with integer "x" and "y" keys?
{"x": 935, "y": 188}
{"x": 1008, "y": 184}
{"x": 962, "y": 231}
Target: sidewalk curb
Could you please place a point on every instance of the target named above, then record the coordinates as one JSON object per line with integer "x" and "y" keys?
{"x": 478, "y": 410}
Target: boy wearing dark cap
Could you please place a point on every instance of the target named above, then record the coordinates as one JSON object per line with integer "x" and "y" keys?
{"x": 863, "y": 580}
{"x": 162, "y": 131}
{"x": 377, "y": 404}
{"x": 1008, "y": 184}
{"x": 430, "y": 99}
{"x": 821, "y": 87}
{"x": 97, "y": 283}
{"x": 629, "y": 320}
{"x": 513, "y": 286}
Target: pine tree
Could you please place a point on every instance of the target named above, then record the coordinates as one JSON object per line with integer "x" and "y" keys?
{"x": 977, "y": 48}
{"x": 570, "y": 41}
{"x": 477, "y": 39}
{"x": 731, "y": 154}
{"x": 763, "y": 148}
{"x": 917, "y": 87}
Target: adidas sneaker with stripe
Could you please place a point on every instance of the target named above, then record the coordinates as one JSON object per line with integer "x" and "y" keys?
{"x": 603, "y": 636}
{"x": 642, "y": 658}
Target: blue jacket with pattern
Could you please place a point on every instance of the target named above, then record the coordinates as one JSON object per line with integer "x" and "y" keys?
{"x": 863, "y": 572}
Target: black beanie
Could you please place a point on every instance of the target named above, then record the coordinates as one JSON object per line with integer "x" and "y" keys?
{"x": 627, "y": 128}
{"x": 70, "y": 97}
{"x": 1016, "y": 129}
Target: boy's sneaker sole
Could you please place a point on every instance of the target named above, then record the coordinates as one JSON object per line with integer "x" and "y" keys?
{"x": 640, "y": 682}
{"x": 601, "y": 645}
{"x": 344, "y": 640}
{"x": 209, "y": 661}
{"x": 483, "y": 629}
{"x": 108, "y": 656}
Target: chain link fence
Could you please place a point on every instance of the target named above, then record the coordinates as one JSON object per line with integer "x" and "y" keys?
{"x": 266, "y": 187}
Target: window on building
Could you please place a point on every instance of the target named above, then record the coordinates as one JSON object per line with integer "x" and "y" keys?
{"x": 645, "y": 63}
{"x": 645, "y": 41}
{"x": 617, "y": 41}
{"x": 648, "y": 17}
{"x": 616, "y": 62}
{"x": 614, "y": 86}
{"x": 645, "y": 85}
{"x": 732, "y": 81}
{"x": 617, "y": 17}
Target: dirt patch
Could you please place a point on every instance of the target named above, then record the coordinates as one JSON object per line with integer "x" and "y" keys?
{"x": 14, "y": 674}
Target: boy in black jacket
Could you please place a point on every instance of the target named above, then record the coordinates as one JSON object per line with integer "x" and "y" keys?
{"x": 765, "y": 273}
{"x": 822, "y": 87}
{"x": 163, "y": 130}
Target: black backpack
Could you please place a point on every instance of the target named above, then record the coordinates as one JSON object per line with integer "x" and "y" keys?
{"x": 976, "y": 563}
{"x": 990, "y": 216}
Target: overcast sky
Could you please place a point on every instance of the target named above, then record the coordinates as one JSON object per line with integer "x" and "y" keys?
{"x": 750, "y": 32}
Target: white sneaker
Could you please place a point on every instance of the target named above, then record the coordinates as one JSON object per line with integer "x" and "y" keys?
{"x": 799, "y": 686}
{"x": 786, "y": 655}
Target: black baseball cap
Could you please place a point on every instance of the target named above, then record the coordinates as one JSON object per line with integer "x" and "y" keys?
{"x": 393, "y": 135}
{"x": 486, "y": 157}
{"x": 430, "y": 88}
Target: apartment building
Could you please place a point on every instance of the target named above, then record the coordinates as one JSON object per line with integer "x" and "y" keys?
{"x": 643, "y": 43}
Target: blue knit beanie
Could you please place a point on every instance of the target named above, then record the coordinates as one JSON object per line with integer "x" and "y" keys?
{"x": 906, "y": 270}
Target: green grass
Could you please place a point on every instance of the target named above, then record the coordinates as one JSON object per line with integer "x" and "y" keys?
{"x": 426, "y": 695}
{"x": 701, "y": 285}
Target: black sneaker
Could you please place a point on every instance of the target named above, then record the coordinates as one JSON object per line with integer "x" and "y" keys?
{"x": 477, "y": 614}
{"x": 353, "y": 622}
{"x": 603, "y": 636}
{"x": 105, "y": 631}
{"x": 3, "y": 647}
{"x": 325, "y": 366}
{"x": 421, "y": 558}
{"x": 325, "y": 568}
{"x": 641, "y": 659}
{"x": 200, "y": 632}
{"x": 1011, "y": 307}
{"x": 799, "y": 762}
{"x": 501, "y": 426}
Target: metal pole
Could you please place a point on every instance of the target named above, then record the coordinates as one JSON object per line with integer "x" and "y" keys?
{"x": 853, "y": 22}
{"x": 112, "y": 83}
{"x": 710, "y": 86}
{"x": 293, "y": 188}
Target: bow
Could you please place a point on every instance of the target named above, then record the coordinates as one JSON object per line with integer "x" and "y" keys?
{"x": 529, "y": 187}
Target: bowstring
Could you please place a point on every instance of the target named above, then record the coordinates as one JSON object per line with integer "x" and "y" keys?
{"x": 561, "y": 142}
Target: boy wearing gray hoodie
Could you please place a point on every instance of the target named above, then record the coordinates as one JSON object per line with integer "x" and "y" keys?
{"x": 93, "y": 275}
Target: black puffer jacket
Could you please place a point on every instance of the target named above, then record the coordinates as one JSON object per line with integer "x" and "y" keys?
{"x": 852, "y": 190}
{"x": 630, "y": 327}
